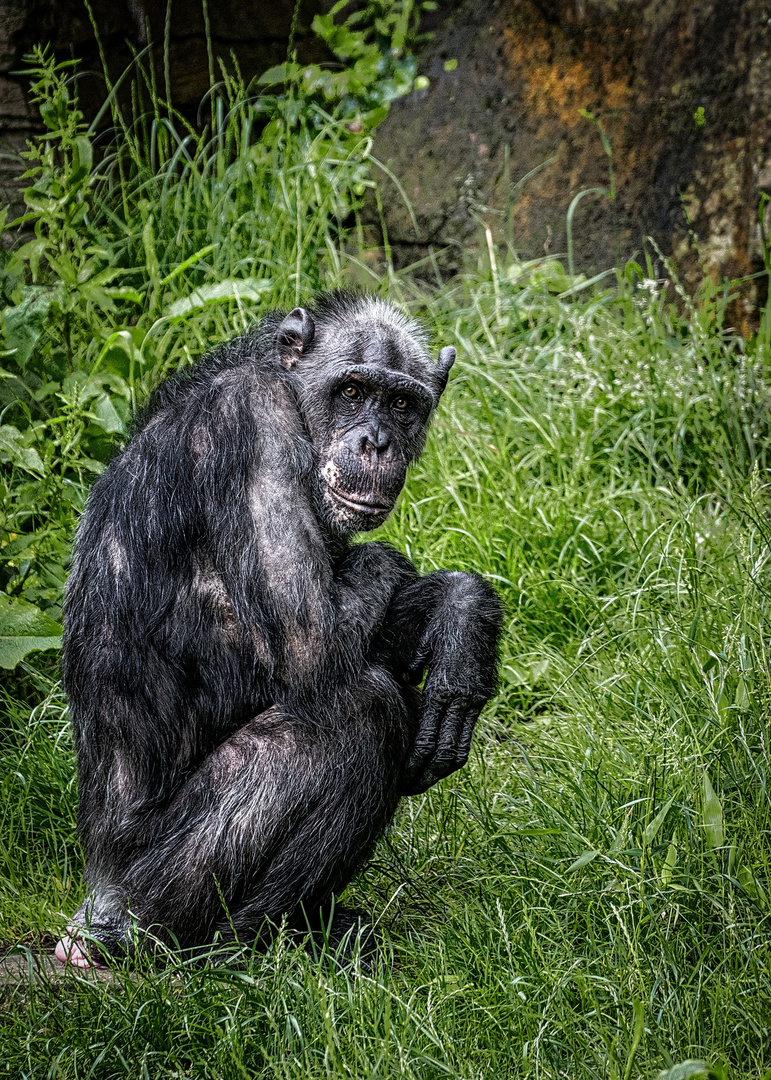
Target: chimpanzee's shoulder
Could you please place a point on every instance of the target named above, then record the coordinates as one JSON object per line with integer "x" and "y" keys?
{"x": 246, "y": 361}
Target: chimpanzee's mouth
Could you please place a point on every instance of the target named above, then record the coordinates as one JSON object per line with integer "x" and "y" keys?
{"x": 361, "y": 506}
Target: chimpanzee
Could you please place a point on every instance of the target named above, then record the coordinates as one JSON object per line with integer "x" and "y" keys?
{"x": 244, "y": 683}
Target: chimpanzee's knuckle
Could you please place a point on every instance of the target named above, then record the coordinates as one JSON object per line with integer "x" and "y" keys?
{"x": 419, "y": 785}
{"x": 424, "y": 749}
{"x": 437, "y": 697}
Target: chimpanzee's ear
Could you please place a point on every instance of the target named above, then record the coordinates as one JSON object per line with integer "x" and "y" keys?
{"x": 294, "y": 336}
{"x": 443, "y": 365}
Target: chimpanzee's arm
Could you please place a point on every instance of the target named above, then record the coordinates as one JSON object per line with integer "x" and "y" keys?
{"x": 448, "y": 623}
{"x": 267, "y": 544}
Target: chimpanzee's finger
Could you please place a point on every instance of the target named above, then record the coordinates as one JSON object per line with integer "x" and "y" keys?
{"x": 445, "y": 756}
{"x": 466, "y": 733}
{"x": 453, "y": 745}
{"x": 429, "y": 768}
{"x": 423, "y": 749}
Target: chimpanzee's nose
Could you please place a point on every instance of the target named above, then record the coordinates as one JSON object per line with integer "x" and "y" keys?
{"x": 377, "y": 438}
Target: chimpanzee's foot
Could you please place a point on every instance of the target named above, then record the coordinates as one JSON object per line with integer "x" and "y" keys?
{"x": 76, "y": 947}
{"x": 74, "y": 951}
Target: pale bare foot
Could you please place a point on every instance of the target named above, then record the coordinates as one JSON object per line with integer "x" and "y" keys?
{"x": 75, "y": 947}
{"x": 73, "y": 950}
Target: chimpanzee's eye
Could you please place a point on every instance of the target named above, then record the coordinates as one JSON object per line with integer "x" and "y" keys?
{"x": 351, "y": 392}
{"x": 401, "y": 404}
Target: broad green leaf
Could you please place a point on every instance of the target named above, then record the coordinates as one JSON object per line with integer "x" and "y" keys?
{"x": 653, "y": 827}
{"x": 27, "y": 458}
{"x": 25, "y": 323}
{"x": 583, "y": 860}
{"x": 12, "y": 448}
{"x": 513, "y": 676}
{"x": 282, "y": 73}
{"x": 24, "y": 628}
{"x": 551, "y": 275}
{"x": 39, "y": 201}
{"x": 712, "y": 812}
{"x": 229, "y": 289}
{"x": 750, "y": 884}
{"x": 685, "y": 1070}
{"x": 539, "y": 668}
{"x": 80, "y": 386}
{"x": 99, "y": 297}
{"x": 742, "y": 697}
{"x": 105, "y": 415}
{"x": 120, "y": 352}
{"x": 125, "y": 292}
{"x": 669, "y": 864}
{"x": 619, "y": 841}
{"x": 32, "y": 250}
{"x": 82, "y": 159}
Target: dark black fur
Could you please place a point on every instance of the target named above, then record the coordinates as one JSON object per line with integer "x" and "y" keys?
{"x": 243, "y": 681}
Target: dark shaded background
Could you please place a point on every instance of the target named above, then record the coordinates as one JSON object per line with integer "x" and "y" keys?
{"x": 464, "y": 147}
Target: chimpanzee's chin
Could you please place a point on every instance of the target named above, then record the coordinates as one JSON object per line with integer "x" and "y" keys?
{"x": 354, "y": 513}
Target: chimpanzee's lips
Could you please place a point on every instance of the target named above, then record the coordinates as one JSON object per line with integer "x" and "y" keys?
{"x": 362, "y": 506}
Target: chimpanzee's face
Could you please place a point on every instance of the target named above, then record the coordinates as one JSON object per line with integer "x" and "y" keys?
{"x": 377, "y": 421}
{"x": 366, "y": 390}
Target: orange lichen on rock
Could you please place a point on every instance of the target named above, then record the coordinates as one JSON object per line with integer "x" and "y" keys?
{"x": 560, "y": 88}
{"x": 683, "y": 94}
{"x": 617, "y": 91}
{"x": 551, "y": 89}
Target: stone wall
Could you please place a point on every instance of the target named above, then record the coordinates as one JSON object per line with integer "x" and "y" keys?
{"x": 499, "y": 138}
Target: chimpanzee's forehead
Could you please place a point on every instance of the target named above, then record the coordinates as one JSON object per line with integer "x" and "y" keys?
{"x": 378, "y": 344}
{"x": 386, "y": 347}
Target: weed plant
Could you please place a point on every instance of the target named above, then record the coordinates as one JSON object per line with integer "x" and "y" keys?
{"x": 590, "y": 897}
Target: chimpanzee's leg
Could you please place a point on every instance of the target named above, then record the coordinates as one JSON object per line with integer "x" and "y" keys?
{"x": 278, "y": 816}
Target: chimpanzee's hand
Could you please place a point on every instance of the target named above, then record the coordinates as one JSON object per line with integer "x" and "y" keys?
{"x": 459, "y": 648}
{"x": 443, "y": 741}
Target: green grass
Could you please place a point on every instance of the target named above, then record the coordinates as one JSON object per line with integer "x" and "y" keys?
{"x": 590, "y": 897}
